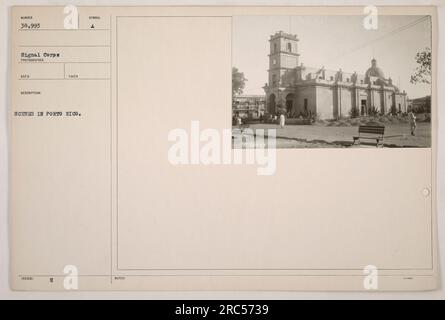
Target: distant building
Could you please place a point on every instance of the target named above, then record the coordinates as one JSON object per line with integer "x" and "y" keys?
{"x": 301, "y": 91}
{"x": 421, "y": 104}
{"x": 249, "y": 106}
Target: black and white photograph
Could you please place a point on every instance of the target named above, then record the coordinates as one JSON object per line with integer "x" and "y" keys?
{"x": 333, "y": 81}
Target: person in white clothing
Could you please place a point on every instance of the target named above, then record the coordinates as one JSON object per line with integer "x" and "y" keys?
{"x": 282, "y": 120}
{"x": 412, "y": 122}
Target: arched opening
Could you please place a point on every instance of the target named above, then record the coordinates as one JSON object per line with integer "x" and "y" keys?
{"x": 271, "y": 104}
{"x": 289, "y": 103}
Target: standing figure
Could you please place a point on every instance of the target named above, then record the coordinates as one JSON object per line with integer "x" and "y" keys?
{"x": 412, "y": 122}
{"x": 239, "y": 121}
{"x": 282, "y": 120}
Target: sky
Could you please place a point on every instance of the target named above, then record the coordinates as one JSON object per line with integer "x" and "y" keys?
{"x": 334, "y": 42}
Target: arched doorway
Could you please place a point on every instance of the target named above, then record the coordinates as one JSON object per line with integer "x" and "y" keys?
{"x": 289, "y": 102}
{"x": 271, "y": 104}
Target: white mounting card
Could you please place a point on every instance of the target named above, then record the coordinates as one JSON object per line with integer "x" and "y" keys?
{"x": 223, "y": 148}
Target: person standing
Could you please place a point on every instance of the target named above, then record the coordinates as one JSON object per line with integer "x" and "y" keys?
{"x": 239, "y": 121}
{"x": 412, "y": 122}
{"x": 282, "y": 120}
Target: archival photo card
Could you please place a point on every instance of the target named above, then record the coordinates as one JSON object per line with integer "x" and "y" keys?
{"x": 173, "y": 148}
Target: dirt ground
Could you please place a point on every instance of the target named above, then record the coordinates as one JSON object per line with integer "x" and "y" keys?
{"x": 397, "y": 135}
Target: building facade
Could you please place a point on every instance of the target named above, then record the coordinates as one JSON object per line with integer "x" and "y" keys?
{"x": 249, "y": 106}
{"x": 420, "y": 105}
{"x": 298, "y": 90}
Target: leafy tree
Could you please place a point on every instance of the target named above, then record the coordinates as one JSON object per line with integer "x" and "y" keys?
{"x": 238, "y": 81}
{"x": 423, "y": 71}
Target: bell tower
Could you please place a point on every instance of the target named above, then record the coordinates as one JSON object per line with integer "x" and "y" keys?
{"x": 282, "y": 58}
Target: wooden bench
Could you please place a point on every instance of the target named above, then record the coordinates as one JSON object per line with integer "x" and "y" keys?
{"x": 371, "y": 133}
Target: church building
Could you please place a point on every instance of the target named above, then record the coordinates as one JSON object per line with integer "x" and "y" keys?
{"x": 304, "y": 91}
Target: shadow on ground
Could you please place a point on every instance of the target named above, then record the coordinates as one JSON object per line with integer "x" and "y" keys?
{"x": 345, "y": 144}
